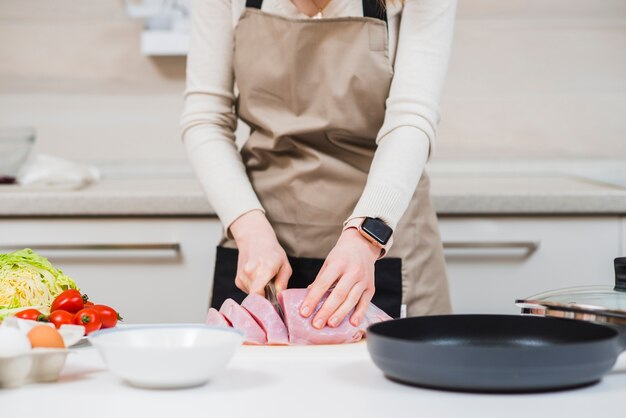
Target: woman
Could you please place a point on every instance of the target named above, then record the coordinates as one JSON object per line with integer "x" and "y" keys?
{"x": 342, "y": 100}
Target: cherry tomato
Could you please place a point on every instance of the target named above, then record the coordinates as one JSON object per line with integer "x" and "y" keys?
{"x": 108, "y": 315}
{"x": 60, "y": 317}
{"x": 89, "y": 318}
{"x": 32, "y": 314}
{"x": 70, "y": 300}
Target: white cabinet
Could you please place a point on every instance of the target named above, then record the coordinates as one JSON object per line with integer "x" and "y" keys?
{"x": 492, "y": 261}
{"x": 161, "y": 269}
{"x": 622, "y": 250}
{"x": 150, "y": 269}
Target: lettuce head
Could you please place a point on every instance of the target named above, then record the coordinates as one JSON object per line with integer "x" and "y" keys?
{"x": 29, "y": 280}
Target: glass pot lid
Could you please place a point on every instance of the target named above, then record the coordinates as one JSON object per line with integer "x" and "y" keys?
{"x": 590, "y": 303}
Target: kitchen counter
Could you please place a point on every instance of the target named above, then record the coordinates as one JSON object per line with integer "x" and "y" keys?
{"x": 457, "y": 188}
{"x": 322, "y": 381}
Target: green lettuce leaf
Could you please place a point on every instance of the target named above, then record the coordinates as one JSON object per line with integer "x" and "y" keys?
{"x": 29, "y": 280}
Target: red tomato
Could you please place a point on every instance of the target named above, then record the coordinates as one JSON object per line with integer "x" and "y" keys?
{"x": 108, "y": 315}
{"x": 32, "y": 314}
{"x": 70, "y": 300}
{"x": 89, "y": 318}
{"x": 60, "y": 317}
{"x": 89, "y": 304}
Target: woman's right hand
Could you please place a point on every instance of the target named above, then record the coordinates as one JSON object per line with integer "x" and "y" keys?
{"x": 261, "y": 258}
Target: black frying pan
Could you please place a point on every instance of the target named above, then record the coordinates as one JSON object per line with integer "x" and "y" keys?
{"x": 493, "y": 353}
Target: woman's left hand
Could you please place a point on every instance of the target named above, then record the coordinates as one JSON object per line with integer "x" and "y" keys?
{"x": 350, "y": 267}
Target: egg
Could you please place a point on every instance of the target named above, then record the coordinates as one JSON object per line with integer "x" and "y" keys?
{"x": 13, "y": 342}
{"x": 45, "y": 337}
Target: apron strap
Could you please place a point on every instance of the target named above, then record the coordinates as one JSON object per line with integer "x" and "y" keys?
{"x": 254, "y": 4}
{"x": 371, "y": 8}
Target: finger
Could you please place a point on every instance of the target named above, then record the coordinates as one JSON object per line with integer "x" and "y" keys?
{"x": 361, "y": 307}
{"x": 260, "y": 278}
{"x": 240, "y": 284}
{"x": 283, "y": 276}
{"x": 317, "y": 290}
{"x": 338, "y": 296}
{"x": 348, "y": 305}
{"x": 245, "y": 271}
{"x": 240, "y": 280}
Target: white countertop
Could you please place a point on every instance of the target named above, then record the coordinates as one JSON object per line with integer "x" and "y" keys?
{"x": 319, "y": 381}
{"x": 458, "y": 188}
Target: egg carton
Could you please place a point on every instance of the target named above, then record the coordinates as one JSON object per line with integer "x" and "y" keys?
{"x": 36, "y": 364}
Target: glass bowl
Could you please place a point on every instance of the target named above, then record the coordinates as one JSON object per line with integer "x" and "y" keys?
{"x": 15, "y": 146}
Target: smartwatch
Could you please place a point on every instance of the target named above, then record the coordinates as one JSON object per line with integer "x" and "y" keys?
{"x": 374, "y": 230}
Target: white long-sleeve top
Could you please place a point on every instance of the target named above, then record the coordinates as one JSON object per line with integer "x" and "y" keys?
{"x": 420, "y": 35}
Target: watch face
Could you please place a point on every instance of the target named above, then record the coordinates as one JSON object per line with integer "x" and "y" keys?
{"x": 377, "y": 229}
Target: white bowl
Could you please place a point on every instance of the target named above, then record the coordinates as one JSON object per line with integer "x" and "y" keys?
{"x": 166, "y": 356}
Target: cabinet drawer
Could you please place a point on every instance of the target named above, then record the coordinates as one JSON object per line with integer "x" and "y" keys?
{"x": 494, "y": 261}
{"x": 151, "y": 270}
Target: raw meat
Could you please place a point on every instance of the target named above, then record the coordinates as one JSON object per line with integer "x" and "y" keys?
{"x": 243, "y": 321}
{"x": 261, "y": 324}
{"x": 301, "y": 330}
{"x": 215, "y": 318}
{"x": 267, "y": 317}
{"x": 374, "y": 315}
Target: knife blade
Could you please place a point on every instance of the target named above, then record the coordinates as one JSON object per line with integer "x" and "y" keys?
{"x": 272, "y": 296}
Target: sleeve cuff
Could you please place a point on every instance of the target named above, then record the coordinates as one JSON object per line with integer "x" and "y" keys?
{"x": 227, "y": 223}
{"x": 383, "y": 202}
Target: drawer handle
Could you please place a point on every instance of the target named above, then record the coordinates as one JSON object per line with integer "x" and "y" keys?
{"x": 169, "y": 251}
{"x": 528, "y": 247}
{"x": 173, "y": 246}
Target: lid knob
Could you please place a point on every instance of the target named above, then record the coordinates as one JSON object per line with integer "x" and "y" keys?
{"x": 620, "y": 274}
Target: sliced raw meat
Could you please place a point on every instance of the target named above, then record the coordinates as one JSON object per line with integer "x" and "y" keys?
{"x": 301, "y": 330}
{"x": 216, "y": 319}
{"x": 374, "y": 314}
{"x": 243, "y": 321}
{"x": 265, "y": 314}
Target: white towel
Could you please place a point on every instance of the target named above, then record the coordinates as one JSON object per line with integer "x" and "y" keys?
{"x": 49, "y": 171}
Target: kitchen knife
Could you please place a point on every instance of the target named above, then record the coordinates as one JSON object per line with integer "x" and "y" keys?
{"x": 272, "y": 297}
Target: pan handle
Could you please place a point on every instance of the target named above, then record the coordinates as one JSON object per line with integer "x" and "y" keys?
{"x": 620, "y": 274}
{"x": 492, "y": 247}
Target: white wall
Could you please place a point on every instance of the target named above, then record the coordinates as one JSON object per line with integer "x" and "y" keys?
{"x": 72, "y": 68}
{"x": 528, "y": 78}
{"x": 536, "y": 78}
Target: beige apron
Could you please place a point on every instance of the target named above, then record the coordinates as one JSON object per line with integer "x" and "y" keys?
{"x": 313, "y": 92}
